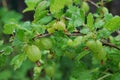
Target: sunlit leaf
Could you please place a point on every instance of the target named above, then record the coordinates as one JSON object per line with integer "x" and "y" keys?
{"x": 113, "y": 24}
{"x": 18, "y": 60}
{"x": 90, "y": 20}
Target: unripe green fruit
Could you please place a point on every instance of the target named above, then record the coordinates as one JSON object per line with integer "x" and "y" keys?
{"x": 70, "y": 42}
{"x": 99, "y": 43}
{"x": 93, "y": 47}
{"x": 45, "y": 43}
{"x": 60, "y": 25}
{"x": 69, "y": 54}
{"x": 102, "y": 52}
{"x": 51, "y": 30}
{"x": 37, "y": 69}
{"x": 77, "y": 41}
{"x": 50, "y": 71}
{"x": 50, "y": 56}
{"x": 91, "y": 44}
{"x": 33, "y": 53}
{"x": 85, "y": 7}
{"x": 104, "y": 10}
{"x": 97, "y": 48}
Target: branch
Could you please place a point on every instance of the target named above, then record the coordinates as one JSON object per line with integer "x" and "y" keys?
{"x": 77, "y": 34}
{"x": 4, "y": 3}
{"x": 109, "y": 44}
{"x": 68, "y": 34}
{"x": 93, "y": 3}
{"x": 74, "y": 34}
{"x": 67, "y": 18}
{"x": 40, "y": 36}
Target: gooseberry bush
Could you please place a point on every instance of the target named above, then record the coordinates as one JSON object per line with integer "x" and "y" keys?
{"x": 66, "y": 41}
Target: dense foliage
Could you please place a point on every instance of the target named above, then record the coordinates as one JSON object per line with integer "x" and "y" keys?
{"x": 65, "y": 41}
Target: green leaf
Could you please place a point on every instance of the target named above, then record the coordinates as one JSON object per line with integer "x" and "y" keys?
{"x": 108, "y": 17}
{"x": 43, "y": 5}
{"x": 70, "y": 27}
{"x": 18, "y": 60}
{"x": 81, "y": 55}
{"x": 90, "y": 20}
{"x": 20, "y": 35}
{"x": 76, "y": 15}
{"x": 116, "y": 76}
{"x": 39, "y": 14}
{"x": 79, "y": 72}
{"x": 86, "y": 75}
{"x": 45, "y": 20}
{"x": 41, "y": 11}
{"x": 38, "y": 28}
{"x": 85, "y": 6}
{"x": 113, "y": 24}
{"x": 77, "y": 1}
{"x": 84, "y": 30}
{"x": 117, "y": 38}
{"x": 7, "y": 50}
{"x": 5, "y": 75}
{"x": 37, "y": 71}
{"x": 11, "y": 15}
{"x": 1, "y": 42}
{"x": 9, "y": 28}
{"x": 31, "y": 4}
{"x": 99, "y": 24}
{"x": 17, "y": 43}
{"x": 2, "y": 60}
{"x": 26, "y": 26}
{"x": 54, "y": 7}
{"x": 103, "y": 33}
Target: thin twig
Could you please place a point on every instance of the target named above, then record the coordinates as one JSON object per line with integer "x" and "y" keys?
{"x": 74, "y": 34}
{"x": 101, "y": 78}
{"x": 40, "y": 36}
{"x": 109, "y": 44}
{"x": 68, "y": 34}
{"x": 93, "y": 3}
{"x": 4, "y": 3}
{"x": 67, "y": 18}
